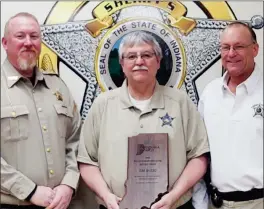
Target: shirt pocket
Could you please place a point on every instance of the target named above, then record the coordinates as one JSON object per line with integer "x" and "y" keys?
{"x": 65, "y": 117}
{"x": 14, "y": 123}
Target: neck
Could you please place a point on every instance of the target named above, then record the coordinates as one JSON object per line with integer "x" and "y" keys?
{"x": 26, "y": 73}
{"x": 141, "y": 91}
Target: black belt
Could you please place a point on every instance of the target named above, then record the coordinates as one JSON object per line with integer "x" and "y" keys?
{"x": 237, "y": 196}
{"x": 187, "y": 205}
{"x": 7, "y": 206}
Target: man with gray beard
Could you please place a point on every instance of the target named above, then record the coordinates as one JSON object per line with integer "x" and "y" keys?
{"x": 39, "y": 125}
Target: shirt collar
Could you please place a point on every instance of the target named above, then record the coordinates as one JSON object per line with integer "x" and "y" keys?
{"x": 41, "y": 77}
{"x": 13, "y": 76}
{"x": 10, "y": 73}
{"x": 250, "y": 83}
{"x": 157, "y": 100}
{"x": 253, "y": 79}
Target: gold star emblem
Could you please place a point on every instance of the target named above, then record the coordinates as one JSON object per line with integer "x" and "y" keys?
{"x": 58, "y": 96}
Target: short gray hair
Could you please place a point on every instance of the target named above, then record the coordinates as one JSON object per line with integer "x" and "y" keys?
{"x": 20, "y": 14}
{"x": 136, "y": 38}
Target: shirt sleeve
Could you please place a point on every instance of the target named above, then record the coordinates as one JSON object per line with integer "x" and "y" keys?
{"x": 195, "y": 131}
{"x": 72, "y": 174}
{"x": 201, "y": 106}
{"x": 200, "y": 196}
{"x": 89, "y": 140}
{"x": 14, "y": 182}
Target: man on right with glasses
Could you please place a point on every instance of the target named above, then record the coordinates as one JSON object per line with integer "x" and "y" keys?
{"x": 232, "y": 108}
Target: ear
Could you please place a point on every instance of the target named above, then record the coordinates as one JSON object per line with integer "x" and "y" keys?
{"x": 158, "y": 61}
{"x": 121, "y": 61}
{"x": 255, "y": 49}
{"x": 4, "y": 43}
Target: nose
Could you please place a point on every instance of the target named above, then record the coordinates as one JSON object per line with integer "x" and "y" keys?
{"x": 139, "y": 60}
{"x": 28, "y": 41}
{"x": 232, "y": 52}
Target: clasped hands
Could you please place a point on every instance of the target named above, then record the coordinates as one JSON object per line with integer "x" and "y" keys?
{"x": 56, "y": 198}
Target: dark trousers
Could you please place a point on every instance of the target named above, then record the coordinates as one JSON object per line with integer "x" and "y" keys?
{"x": 7, "y": 206}
{"x": 187, "y": 205}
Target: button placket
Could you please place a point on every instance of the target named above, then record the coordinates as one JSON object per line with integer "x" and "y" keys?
{"x": 43, "y": 120}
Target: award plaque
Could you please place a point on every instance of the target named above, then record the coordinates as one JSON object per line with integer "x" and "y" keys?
{"x": 147, "y": 172}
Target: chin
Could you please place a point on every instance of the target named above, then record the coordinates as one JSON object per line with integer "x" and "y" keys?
{"x": 234, "y": 71}
{"x": 233, "y": 68}
{"x": 141, "y": 79}
{"x": 27, "y": 64}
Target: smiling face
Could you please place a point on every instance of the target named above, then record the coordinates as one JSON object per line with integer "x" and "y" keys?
{"x": 238, "y": 51}
{"x": 140, "y": 63}
{"x": 22, "y": 42}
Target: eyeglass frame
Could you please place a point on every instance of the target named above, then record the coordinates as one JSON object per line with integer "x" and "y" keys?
{"x": 236, "y": 48}
{"x": 139, "y": 55}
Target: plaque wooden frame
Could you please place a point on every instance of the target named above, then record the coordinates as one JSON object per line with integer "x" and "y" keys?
{"x": 147, "y": 172}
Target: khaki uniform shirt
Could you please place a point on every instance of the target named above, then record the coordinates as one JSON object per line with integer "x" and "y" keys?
{"x": 38, "y": 134}
{"x": 112, "y": 119}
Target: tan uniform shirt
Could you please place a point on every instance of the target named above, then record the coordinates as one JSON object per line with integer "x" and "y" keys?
{"x": 112, "y": 119}
{"x": 38, "y": 134}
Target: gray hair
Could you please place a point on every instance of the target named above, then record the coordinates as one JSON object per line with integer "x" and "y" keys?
{"x": 136, "y": 38}
{"x": 20, "y": 14}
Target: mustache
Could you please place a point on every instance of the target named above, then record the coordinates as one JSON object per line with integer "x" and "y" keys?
{"x": 28, "y": 50}
{"x": 140, "y": 68}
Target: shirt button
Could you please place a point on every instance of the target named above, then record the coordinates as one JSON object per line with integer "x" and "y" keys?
{"x": 48, "y": 149}
{"x": 13, "y": 114}
{"x": 44, "y": 128}
{"x": 39, "y": 109}
{"x": 51, "y": 172}
{"x": 141, "y": 126}
{"x": 33, "y": 91}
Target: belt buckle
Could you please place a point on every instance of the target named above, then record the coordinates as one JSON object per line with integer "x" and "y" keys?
{"x": 216, "y": 199}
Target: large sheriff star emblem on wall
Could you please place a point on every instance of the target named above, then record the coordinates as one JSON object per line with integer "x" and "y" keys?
{"x": 89, "y": 47}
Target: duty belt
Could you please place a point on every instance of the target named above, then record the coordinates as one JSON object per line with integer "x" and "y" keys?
{"x": 236, "y": 196}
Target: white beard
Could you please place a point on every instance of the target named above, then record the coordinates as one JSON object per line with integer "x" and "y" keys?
{"x": 27, "y": 64}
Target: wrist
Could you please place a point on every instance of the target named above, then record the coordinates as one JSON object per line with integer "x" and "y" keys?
{"x": 69, "y": 187}
{"x": 105, "y": 195}
{"x": 31, "y": 193}
{"x": 173, "y": 196}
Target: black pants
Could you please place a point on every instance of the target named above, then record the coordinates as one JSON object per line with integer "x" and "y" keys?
{"x": 187, "y": 205}
{"x": 6, "y": 206}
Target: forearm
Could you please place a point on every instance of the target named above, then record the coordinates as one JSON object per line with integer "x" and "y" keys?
{"x": 94, "y": 179}
{"x": 14, "y": 182}
{"x": 193, "y": 172}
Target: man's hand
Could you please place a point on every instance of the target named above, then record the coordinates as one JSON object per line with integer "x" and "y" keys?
{"x": 112, "y": 201}
{"x": 166, "y": 202}
{"x": 43, "y": 196}
{"x": 62, "y": 199}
